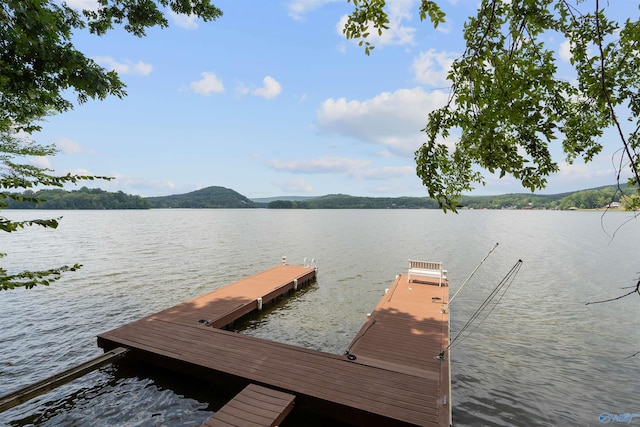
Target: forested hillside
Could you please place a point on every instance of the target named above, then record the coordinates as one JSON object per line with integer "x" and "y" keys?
{"x": 343, "y": 201}
{"x": 210, "y": 197}
{"x": 221, "y": 197}
{"x": 83, "y": 198}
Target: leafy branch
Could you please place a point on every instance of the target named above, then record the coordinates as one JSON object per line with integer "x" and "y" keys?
{"x": 508, "y": 103}
{"x": 39, "y": 68}
{"x": 30, "y": 279}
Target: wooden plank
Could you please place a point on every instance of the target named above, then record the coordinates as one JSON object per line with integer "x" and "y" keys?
{"x": 407, "y": 331}
{"x": 241, "y": 353}
{"x": 229, "y": 303}
{"x": 27, "y": 393}
{"x": 322, "y": 376}
{"x": 254, "y": 406}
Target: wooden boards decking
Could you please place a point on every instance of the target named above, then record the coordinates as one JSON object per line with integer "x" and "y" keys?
{"x": 254, "y": 406}
{"x": 390, "y": 377}
{"x": 229, "y": 303}
{"x": 406, "y": 332}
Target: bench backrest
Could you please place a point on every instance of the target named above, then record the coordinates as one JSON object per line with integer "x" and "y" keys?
{"x": 425, "y": 265}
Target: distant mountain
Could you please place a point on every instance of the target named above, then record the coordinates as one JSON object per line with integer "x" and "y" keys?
{"x": 221, "y": 197}
{"x": 595, "y": 198}
{"x": 210, "y": 197}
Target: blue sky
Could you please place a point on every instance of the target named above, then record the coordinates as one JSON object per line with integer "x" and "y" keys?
{"x": 272, "y": 100}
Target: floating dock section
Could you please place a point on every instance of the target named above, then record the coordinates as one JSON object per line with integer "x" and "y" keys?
{"x": 390, "y": 375}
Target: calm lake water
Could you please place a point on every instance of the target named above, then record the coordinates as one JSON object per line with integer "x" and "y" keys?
{"x": 542, "y": 357}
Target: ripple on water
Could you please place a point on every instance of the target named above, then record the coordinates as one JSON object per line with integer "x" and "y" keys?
{"x": 541, "y": 358}
{"x": 124, "y": 402}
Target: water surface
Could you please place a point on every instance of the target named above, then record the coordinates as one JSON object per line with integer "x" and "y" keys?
{"x": 542, "y": 357}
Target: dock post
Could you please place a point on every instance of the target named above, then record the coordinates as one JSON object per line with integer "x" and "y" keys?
{"x": 259, "y": 303}
{"x": 295, "y": 284}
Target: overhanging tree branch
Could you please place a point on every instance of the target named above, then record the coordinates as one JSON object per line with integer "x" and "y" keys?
{"x": 509, "y": 104}
{"x": 39, "y": 69}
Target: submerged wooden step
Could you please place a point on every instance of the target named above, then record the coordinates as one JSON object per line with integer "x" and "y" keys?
{"x": 254, "y": 406}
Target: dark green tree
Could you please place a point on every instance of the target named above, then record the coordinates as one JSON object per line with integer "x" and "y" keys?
{"x": 42, "y": 73}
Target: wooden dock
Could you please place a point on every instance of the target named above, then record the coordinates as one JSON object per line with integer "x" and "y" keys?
{"x": 390, "y": 376}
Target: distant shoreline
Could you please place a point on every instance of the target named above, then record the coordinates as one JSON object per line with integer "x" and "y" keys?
{"x": 601, "y": 198}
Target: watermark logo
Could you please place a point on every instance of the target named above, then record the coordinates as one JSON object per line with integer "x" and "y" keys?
{"x": 606, "y": 418}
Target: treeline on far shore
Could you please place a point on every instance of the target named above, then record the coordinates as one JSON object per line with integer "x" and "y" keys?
{"x": 84, "y": 198}
{"x": 608, "y": 197}
{"x": 219, "y": 197}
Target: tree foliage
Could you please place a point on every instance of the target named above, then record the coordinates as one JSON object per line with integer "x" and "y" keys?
{"x": 508, "y": 101}
{"x": 40, "y": 67}
{"x": 42, "y": 73}
{"x": 84, "y": 198}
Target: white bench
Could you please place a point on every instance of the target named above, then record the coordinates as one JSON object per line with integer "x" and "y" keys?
{"x": 431, "y": 270}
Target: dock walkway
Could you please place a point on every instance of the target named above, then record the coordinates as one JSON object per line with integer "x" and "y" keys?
{"x": 390, "y": 376}
{"x": 406, "y": 333}
{"x": 224, "y": 305}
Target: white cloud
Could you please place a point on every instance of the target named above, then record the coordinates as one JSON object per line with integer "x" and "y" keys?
{"x": 188, "y": 22}
{"x": 356, "y": 169}
{"x": 393, "y": 120}
{"x": 580, "y": 171}
{"x": 296, "y": 185}
{"x": 319, "y": 165}
{"x": 384, "y": 173}
{"x": 431, "y": 67}
{"x": 207, "y": 84}
{"x": 400, "y": 9}
{"x": 129, "y": 181}
{"x": 299, "y": 8}
{"x": 83, "y": 4}
{"x": 68, "y": 146}
{"x": 242, "y": 89}
{"x": 40, "y": 161}
{"x": 139, "y": 68}
{"x": 270, "y": 88}
{"x": 565, "y": 51}
{"x": 132, "y": 185}
{"x": 397, "y": 33}
{"x": 83, "y": 172}
{"x": 445, "y": 28}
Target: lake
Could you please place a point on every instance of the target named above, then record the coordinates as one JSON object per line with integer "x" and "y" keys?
{"x": 542, "y": 356}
